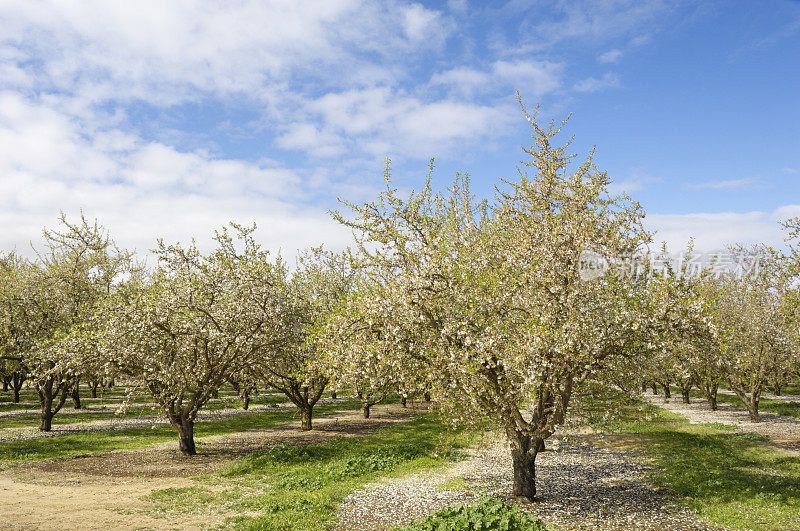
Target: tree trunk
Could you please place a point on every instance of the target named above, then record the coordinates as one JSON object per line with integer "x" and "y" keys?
{"x": 333, "y": 394}
{"x": 245, "y": 400}
{"x": 777, "y": 390}
{"x": 712, "y": 401}
{"x": 655, "y": 389}
{"x": 93, "y": 389}
{"x": 710, "y": 392}
{"x": 16, "y": 385}
{"x": 365, "y": 410}
{"x": 17, "y": 379}
{"x": 427, "y": 396}
{"x": 306, "y": 422}
{"x": 667, "y": 393}
{"x": 76, "y": 397}
{"x": 186, "y": 437}
{"x": 403, "y": 401}
{"x": 6, "y": 381}
{"x": 46, "y": 419}
{"x": 523, "y": 459}
{"x": 685, "y": 395}
{"x": 752, "y": 410}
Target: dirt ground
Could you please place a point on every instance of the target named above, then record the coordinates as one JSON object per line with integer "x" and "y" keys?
{"x": 104, "y": 491}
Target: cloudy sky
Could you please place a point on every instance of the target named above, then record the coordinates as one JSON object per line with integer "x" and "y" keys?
{"x": 168, "y": 118}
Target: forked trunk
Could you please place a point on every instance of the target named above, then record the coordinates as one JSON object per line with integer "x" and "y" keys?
{"x": 752, "y": 411}
{"x": 712, "y": 402}
{"x": 46, "y": 397}
{"x": 186, "y": 437}
{"x": 76, "y": 397}
{"x": 306, "y": 422}
{"x": 46, "y": 419}
{"x": 710, "y": 392}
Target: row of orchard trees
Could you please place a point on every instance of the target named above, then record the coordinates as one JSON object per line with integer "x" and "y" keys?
{"x": 482, "y": 304}
{"x": 747, "y": 338}
{"x": 84, "y": 309}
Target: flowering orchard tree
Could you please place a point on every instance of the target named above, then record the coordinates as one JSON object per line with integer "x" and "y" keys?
{"x": 15, "y": 332}
{"x": 754, "y": 328}
{"x": 49, "y": 302}
{"x": 199, "y": 320}
{"x": 686, "y": 333}
{"x": 486, "y": 299}
{"x": 319, "y": 283}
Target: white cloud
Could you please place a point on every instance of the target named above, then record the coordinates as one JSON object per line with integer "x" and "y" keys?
{"x": 598, "y": 20}
{"x": 534, "y": 78}
{"x": 628, "y": 186}
{"x": 732, "y": 184}
{"x": 611, "y": 56}
{"x": 420, "y": 23}
{"x": 381, "y": 122}
{"x": 168, "y": 52}
{"x": 141, "y": 190}
{"x": 714, "y": 231}
{"x": 593, "y": 84}
{"x": 458, "y": 6}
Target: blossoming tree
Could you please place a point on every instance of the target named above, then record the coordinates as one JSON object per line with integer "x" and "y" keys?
{"x": 486, "y": 301}
{"x": 197, "y": 322}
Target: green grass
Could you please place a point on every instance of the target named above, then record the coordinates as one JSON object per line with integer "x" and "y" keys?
{"x": 792, "y": 389}
{"x": 300, "y": 487}
{"x": 765, "y": 405}
{"x": 64, "y": 446}
{"x": 732, "y": 479}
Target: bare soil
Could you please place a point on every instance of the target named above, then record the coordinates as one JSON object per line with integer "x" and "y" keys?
{"x": 105, "y": 490}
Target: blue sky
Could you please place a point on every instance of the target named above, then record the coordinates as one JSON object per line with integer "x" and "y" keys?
{"x": 170, "y": 118}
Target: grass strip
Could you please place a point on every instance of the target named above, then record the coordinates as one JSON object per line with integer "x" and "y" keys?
{"x": 734, "y": 479}
{"x": 300, "y": 487}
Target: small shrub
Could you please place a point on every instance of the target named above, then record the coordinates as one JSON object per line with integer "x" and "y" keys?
{"x": 484, "y": 514}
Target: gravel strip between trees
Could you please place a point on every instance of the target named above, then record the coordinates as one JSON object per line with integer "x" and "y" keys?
{"x": 145, "y": 421}
{"x": 783, "y": 430}
{"x": 580, "y": 486}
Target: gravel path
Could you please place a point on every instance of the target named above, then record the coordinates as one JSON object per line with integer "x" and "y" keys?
{"x": 770, "y": 396}
{"x": 580, "y": 486}
{"x": 784, "y": 431}
{"x": 144, "y": 421}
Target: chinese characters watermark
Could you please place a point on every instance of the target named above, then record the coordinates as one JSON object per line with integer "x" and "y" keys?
{"x": 592, "y": 265}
